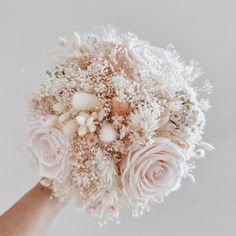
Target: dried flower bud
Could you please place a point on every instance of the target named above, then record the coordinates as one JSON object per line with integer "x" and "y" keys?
{"x": 89, "y": 121}
{"x": 85, "y": 101}
{"x": 70, "y": 127}
{"x": 59, "y": 107}
{"x": 92, "y": 128}
{"x": 206, "y": 146}
{"x": 80, "y": 119}
{"x": 76, "y": 42}
{"x": 101, "y": 115}
{"x": 94, "y": 115}
{"x": 84, "y": 114}
{"x": 82, "y": 130}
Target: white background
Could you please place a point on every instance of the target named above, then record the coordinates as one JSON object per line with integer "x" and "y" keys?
{"x": 203, "y": 30}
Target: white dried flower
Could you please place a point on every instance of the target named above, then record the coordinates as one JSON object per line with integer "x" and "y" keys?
{"x": 200, "y": 153}
{"x": 80, "y": 119}
{"x": 145, "y": 120}
{"x": 107, "y": 169}
{"x": 191, "y": 178}
{"x": 90, "y": 121}
{"x": 206, "y": 146}
{"x": 82, "y": 130}
{"x": 76, "y": 42}
{"x": 101, "y": 115}
{"x": 94, "y": 115}
{"x": 92, "y": 128}
{"x": 85, "y": 101}
{"x": 175, "y": 105}
{"x": 108, "y": 133}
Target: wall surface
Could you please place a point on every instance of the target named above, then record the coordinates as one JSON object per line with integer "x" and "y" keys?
{"x": 203, "y": 30}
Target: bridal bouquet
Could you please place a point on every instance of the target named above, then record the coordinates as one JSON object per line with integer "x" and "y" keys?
{"x": 116, "y": 122}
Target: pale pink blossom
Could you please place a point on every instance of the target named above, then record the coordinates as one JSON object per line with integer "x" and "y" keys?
{"x": 48, "y": 147}
{"x": 153, "y": 171}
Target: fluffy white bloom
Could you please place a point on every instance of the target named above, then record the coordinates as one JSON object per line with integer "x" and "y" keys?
{"x": 106, "y": 168}
{"x": 85, "y": 101}
{"x": 145, "y": 120}
{"x": 104, "y": 200}
{"x": 108, "y": 133}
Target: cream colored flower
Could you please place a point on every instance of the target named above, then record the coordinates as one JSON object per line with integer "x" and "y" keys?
{"x": 145, "y": 120}
{"x": 87, "y": 122}
{"x": 85, "y": 101}
{"x": 153, "y": 171}
{"x": 48, "y": 147}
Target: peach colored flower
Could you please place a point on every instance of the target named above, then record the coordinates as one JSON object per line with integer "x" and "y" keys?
{"x": 48, "y": 148}
{"x": 153, "y": 171}
{"x": 119, "y": 107}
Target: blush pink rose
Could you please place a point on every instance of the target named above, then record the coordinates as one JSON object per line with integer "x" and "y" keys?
{"x": 153, "y": 171}
{"x": 143, "y": 53}
{"x": 48, "y": 147}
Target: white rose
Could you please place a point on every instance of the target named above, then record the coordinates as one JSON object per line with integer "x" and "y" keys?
{"x": 143, "y": 53}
